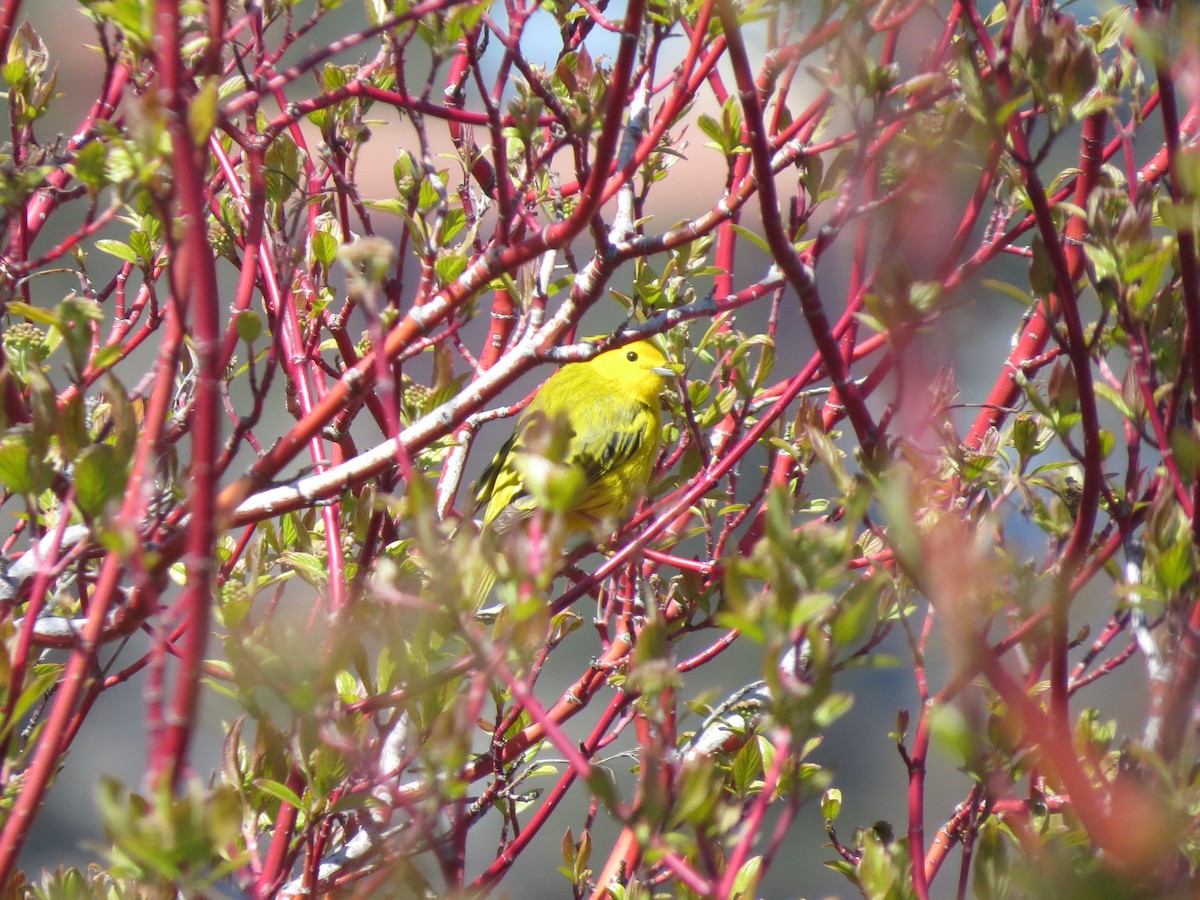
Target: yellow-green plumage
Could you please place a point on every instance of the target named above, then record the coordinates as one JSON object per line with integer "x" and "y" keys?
{"x": 610, "y": 407}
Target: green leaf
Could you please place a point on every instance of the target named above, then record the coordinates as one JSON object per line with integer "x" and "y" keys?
{"x": 15, "y": 470}
{"x": 377, "y": 11}
{"x": 119, "y": 249}
{"x": 279, "y": 791}
{"x": 747, "y": 768}
{"x": 747, "y": 877}
{"x": 100, "y": 478}
{"x": 952, "y": 732}
{"x": 324, "y": 247}
{"x": 202, "y": 112}
{"x": 832, "y": 708}
{"x": 756, "y": 239}
{"x": 831, "y": 804}
{"x": 1042, "y": 277}
{"x": 35, "y": 314}
{"x": 89, "y": 165}
{"x": 710, "y": 127}
{"x": 78, "y": 313}
{"x": 1175, "y": 565}
{"x": 282, "y": 170}
{"x": 107, "y": 357}
{"x": 308, "y": 566}
{"x": 990, "y": 874}
{"x": 45, "y": 677}
{"x": 139, "y": 242}
{"x": 449, "y": 267}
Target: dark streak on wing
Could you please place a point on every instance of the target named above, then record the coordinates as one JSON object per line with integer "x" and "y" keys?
{"x": 487, "y": 478}
{"x": 621, "y": 445}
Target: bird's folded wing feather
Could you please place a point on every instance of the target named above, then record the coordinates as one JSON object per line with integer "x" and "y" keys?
{"x": 610, "y": 437}
{"x": 499, "y": 480}
{"x": 612, "y": 433}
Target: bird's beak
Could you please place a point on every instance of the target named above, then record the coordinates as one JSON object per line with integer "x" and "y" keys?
{"x": 670, "y": 370}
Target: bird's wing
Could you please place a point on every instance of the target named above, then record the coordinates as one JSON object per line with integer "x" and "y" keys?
{"x": 614, "y": 433}
{"x": 495, "y": 479}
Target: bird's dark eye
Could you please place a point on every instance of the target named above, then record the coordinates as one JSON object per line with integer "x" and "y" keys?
{"x": 631, "y": 356}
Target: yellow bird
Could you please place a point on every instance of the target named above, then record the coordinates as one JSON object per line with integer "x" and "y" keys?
{"x": 609, "y": 411}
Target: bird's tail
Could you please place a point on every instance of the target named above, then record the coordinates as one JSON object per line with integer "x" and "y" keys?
{"x": 507, "y": 553}
{"x": 485, "y": 580}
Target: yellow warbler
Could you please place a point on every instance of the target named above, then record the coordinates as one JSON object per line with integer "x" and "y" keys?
{"x": 610, "y": 411}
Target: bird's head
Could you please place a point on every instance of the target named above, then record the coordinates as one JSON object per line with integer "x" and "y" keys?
{"x": 639, "y": 369}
